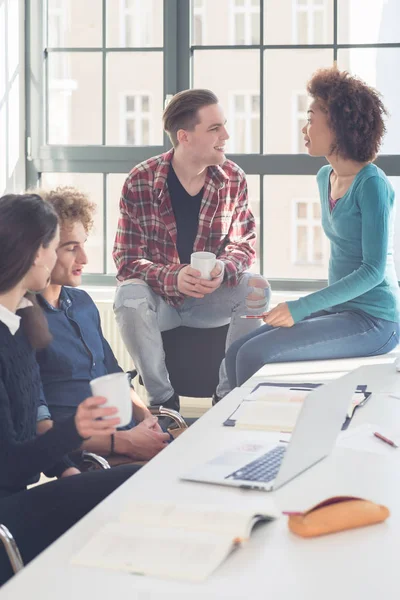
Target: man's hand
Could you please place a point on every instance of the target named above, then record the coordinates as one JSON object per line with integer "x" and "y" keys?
{"x": 143, "y": 441}
{"x": 279, "y": 316}
{"x": 70, "y": 471}
{"x": 191, "y": 284}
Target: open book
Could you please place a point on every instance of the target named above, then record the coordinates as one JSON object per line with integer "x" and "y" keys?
{"x": 270, "y": 408}
{"x": 173, "y": 541}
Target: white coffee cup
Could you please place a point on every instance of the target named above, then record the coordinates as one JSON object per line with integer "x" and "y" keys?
{"x": 116, "y": 389}
{"x": 203, "y": 262}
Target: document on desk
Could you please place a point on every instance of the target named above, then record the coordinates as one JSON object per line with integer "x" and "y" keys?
{"x": 362, "y": 439}
{"x": 269, "y": 408}
{"x": 170, "y": 541}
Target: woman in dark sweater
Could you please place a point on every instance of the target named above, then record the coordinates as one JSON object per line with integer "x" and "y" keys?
{"x": 29, "y": 235}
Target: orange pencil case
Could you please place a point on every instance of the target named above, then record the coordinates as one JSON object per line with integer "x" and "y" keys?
{"x": 336, "y": 514}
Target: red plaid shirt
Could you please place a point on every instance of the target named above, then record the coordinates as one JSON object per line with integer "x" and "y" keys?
{"x": 145, "y": 243}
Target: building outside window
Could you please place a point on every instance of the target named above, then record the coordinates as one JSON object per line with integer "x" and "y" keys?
{"x": 245, "y": 22}
{"x": 307, "y": 235}
{"x": 198, "y": 23}
{"x": 244, "y": 122}
{"x": 309, "y": 21}
{"x": 135, "y": 27}
{"x": 136, "y": 127}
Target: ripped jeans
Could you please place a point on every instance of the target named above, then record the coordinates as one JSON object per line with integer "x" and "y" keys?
{"x": 142, "y": 315}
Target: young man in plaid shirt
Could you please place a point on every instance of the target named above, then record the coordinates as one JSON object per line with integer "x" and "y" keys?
{"x": 189, "y": 199}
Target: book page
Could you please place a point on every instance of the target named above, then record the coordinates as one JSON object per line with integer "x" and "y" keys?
{"x": 167, "y": 553}
{"x": 190, "y": 517}
{"x": 268, "y": 416}
{"x": 270, "y": 393}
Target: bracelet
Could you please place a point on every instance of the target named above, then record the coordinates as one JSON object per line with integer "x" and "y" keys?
{"x": 112, "y": 444}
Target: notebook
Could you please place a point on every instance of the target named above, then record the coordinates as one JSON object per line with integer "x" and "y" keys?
{"x": 172, "y": 541}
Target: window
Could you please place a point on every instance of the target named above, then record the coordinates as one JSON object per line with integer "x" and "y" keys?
{"x": 198, "y": 34}
{"x": 245, "y": 22}
{"x": 300, "y": 107}
{"x": 308, "y": 235}
{"x": 136, "y": 120}
{"x": 135, "y": 23}
{"x": 309, "y": 21}
{"x": 244, "y": 124}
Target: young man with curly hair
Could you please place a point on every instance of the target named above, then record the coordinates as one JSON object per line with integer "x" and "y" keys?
{"x": 78, "y": 351}
{"x": 357, "y": 314}
{"x": 187, "y": 200}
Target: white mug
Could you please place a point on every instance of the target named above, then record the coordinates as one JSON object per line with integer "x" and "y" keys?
{"x": 203, "y": 262}
{"x": 116, "y": 389}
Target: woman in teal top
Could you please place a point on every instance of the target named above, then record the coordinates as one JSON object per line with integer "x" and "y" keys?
{"x": 357, "y": 314}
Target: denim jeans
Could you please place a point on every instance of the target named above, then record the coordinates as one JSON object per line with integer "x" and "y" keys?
{"x": 142, "y": 315}
{"x": 321, "y": 336}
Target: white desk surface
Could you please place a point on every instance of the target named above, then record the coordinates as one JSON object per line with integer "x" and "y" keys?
{"x": 359, "y": 564}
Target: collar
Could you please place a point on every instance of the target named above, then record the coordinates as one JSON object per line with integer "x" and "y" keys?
{"x": 10, "y": 319}
{"x": 65, "y": 302}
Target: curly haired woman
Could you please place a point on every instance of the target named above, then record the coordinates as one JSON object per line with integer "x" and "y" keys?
{"x": 357, "y": 314}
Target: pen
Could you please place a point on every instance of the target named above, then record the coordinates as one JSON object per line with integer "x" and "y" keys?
{"x": 385, "y": 439}
{"x": 252, "y": 316}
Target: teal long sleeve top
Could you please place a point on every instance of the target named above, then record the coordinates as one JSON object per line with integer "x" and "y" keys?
{"x": 360, "y": 228}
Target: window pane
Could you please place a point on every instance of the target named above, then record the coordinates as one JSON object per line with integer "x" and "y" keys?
{"x": 301, "y": 210}
{"x": 361, "y": 24}
{"x": 92, "y": 185}
{"x": 143, "y": 80}
{"x": 137, "y": 23}
{"x": 74, "y": 98}
{"x": 115, "y": 181}
{"x": 376, "y": 66}
{"x": 13, "y": 26}
{"x": 225, "y": 22}
{"x": 73, "y": 23}
{"x": 317, "y": 244}
{"x": 301, "y": 244}
{"x": 395, "y": 181}
{"x": 229, "y": 89}
{"x": 282, "y": 124}
{"x": 316, "y": 210}
{"x": 280, "y": 219}
{"x": 2, "y": 53}
{"x": 253, "y": 183}
{"x": 294, "y": 22}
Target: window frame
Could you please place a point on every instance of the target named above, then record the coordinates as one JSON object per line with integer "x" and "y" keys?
{"x": 177, "y": 54}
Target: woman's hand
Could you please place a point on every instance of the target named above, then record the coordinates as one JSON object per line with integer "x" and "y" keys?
{"x": 89, "y": 418}
{"x": 279, "y": 316}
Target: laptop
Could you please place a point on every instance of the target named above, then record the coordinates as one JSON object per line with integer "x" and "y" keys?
{"x": 267, "y": 466}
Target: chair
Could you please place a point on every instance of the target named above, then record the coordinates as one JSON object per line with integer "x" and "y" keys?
{"x": 11, "y": 549}
{"x": 193, "y": 357}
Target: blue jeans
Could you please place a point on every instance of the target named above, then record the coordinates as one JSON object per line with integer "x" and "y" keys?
{"x": 142, "y": 315}
{"x": 321, "y": 336}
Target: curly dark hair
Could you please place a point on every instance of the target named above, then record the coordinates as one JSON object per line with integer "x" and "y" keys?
{"x": 70, "y": 204}
{"x": 355, "y": 113}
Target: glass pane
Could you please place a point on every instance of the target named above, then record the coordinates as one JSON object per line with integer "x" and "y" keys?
{"x": 395, "y": 181}
{"x": 282, "y": 122}
{"x": 280, "y": 222}
{"x": 138, "y": 23}
{"x": 295, "y": 22}
{"x": 74, "y": 24}
{"x": 376, "y": 66}
{"x": 245, "y": 84}
{"x": 301, "y": 210}
{"x": 3, "y": 83}
{"x": 317, "y": 244}
{"x": 301, "y": 244}
{"x": 226, "y": 22}
{"x": 13, "y": 25}
{"x": 361, "y": 24}
{"x": 74, "y": 98}
{"x": 3, "y": 150}
{"x": 130, "y": 103}
{"x": 92, "y": 185}
{"x": 143, "y": 78}
{"x": 115, "y": 181}
{"x": 253, "y": 184}
{"x": 316, "y": 210}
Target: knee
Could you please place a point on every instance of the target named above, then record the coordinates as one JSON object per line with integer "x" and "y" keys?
{"x": 135, "y": 295}
{"x": 256, "y": 291}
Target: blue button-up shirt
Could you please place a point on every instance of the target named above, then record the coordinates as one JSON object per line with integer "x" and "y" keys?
{"x": 77, "y": 354}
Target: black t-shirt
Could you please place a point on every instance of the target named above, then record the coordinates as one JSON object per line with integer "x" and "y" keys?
{"x": 186, "y": 210}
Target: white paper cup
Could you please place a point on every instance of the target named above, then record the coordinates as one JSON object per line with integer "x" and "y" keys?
{"x": 203, "y": 262}
{"x": 116, "y": 389}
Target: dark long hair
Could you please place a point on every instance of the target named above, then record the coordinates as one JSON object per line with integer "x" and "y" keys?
{"x": 27, "y": 222}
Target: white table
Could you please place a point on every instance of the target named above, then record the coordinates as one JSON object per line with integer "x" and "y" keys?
{"x": 275, "y": 564}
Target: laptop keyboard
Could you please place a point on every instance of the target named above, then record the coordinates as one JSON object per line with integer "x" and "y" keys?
{"x": 264, "y": 468}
